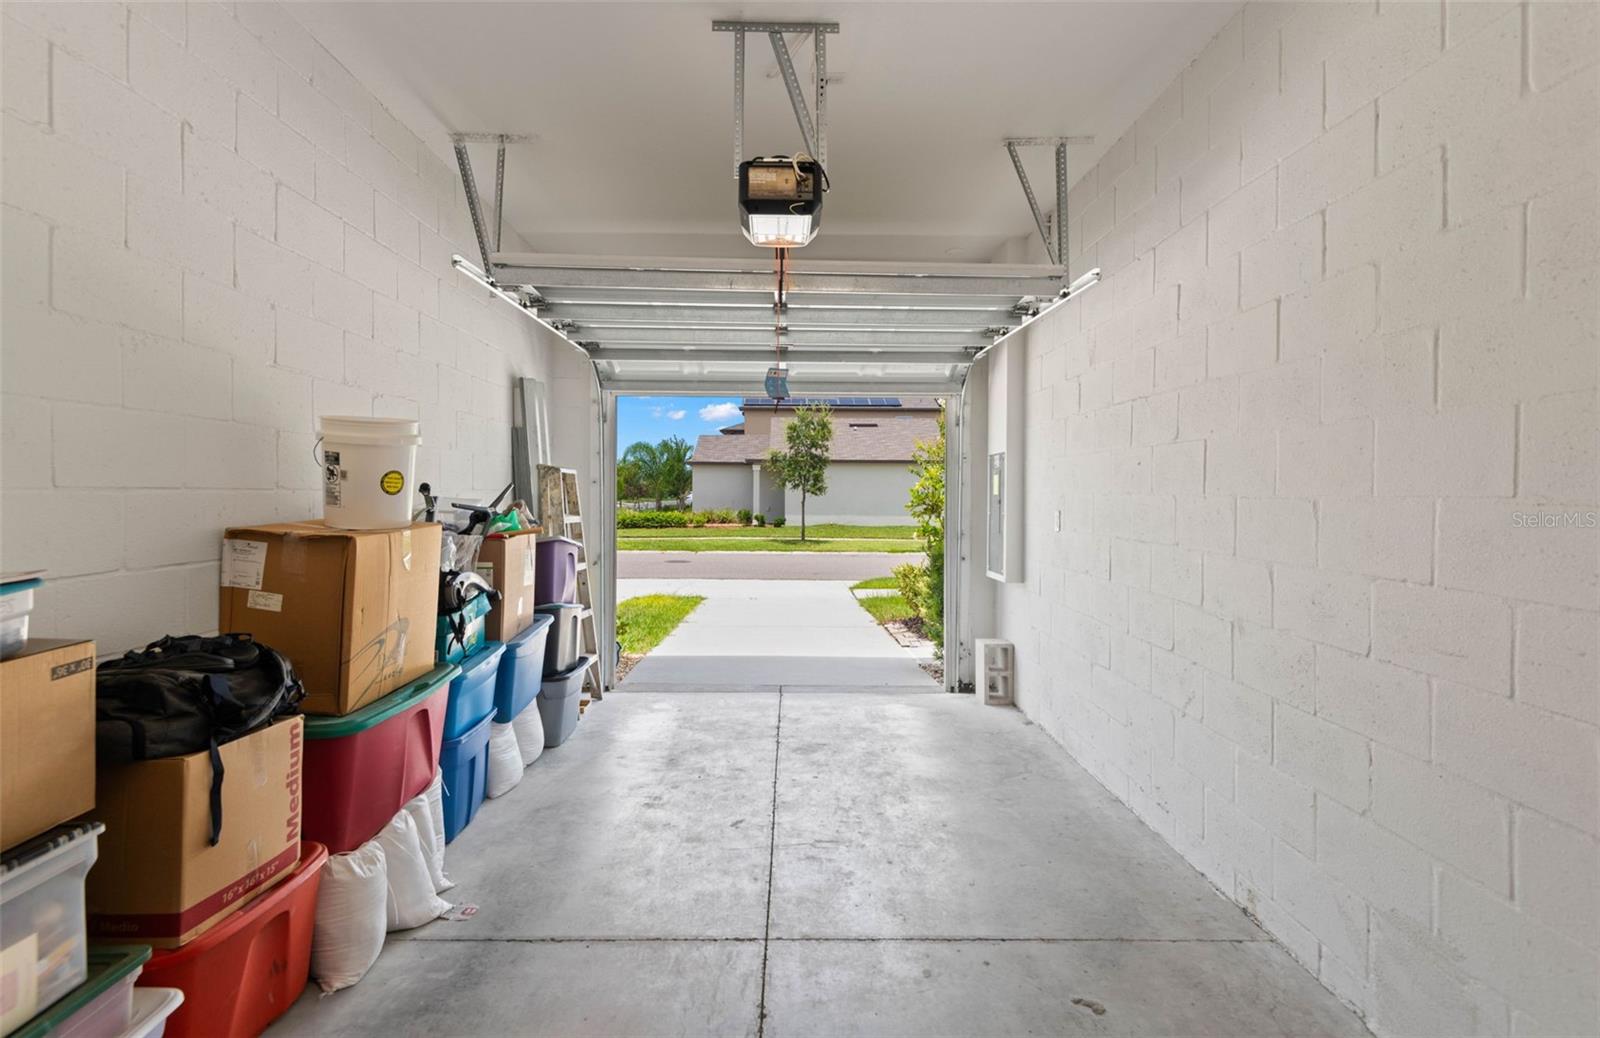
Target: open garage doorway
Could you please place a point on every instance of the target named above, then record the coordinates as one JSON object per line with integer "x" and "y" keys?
{"x": 733, "y": 571}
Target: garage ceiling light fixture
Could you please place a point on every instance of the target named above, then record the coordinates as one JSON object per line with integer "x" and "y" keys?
{"x": 780, "y": 196}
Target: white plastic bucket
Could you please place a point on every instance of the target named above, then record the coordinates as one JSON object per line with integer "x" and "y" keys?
{"x": 368, "y": 465}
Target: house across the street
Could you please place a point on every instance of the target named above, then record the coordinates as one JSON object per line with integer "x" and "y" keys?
{"x": 869, "y": 477}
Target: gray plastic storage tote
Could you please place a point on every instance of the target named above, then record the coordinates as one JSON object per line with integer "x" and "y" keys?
{"x": 558, "y": 702}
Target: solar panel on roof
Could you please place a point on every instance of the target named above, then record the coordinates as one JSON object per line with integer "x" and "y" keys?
{"x": 828, "y": 401}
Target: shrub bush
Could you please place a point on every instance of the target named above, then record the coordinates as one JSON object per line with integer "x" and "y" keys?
{"x": 629, "y": 519}
{"x": 912, "y": 580}
{"x": 720, "y": 515}
{"x": 760, "y": 520}
{"x": 695, "y": 520}
{"x": 744, "y": 517}
{"x": 778, "y": 521}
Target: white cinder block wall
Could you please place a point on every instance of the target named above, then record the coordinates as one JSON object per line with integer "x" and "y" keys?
{"x": 212, "y": 234}
{"x": 1318, "y": 612}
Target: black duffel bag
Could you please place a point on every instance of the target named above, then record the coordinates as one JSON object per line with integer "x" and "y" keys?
{"x": 189, "y": 693}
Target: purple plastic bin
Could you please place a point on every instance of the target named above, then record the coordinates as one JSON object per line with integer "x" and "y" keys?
{"x": 555, "y": 571}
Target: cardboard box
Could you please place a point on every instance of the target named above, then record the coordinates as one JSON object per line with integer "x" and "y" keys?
{"x": 507, "y": 564}
{"x": 354, "y": 610}
{"x": 46, "y": 737}
{"x": 159, "y": 881}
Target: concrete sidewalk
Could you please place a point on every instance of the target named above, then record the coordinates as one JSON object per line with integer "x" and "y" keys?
{"x": 760, "y": 565}
{"x": 762, "y": 635}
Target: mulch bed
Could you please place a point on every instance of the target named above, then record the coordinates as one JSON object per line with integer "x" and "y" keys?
{"x": 626, "y": 661}
{"x": 911, "y": 634}
{"x": 907, "y": 632}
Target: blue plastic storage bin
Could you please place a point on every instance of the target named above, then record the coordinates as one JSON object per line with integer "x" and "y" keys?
{"x": 472, "y": 691}
{"x": 464, "y": 764}
{"x": 520, "y": 670}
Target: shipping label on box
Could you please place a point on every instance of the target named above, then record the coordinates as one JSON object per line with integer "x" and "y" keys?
{"x": 354, "y": 610}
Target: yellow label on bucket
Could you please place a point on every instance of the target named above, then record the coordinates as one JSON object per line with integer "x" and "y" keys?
{"x": 392, "y": 482}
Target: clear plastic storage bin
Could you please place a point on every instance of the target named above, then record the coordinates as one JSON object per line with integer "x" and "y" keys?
{"x": 100, "y": 1007}
{"x": 16, "y": 602}
{"x": 44, "y": 950}
{"x": 151, "y": 1007}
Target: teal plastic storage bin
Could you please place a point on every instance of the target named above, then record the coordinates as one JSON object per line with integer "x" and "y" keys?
{"x": 472, "y": 691}
{"x": 460, "y": 634}
{"x": 464, "y": 763}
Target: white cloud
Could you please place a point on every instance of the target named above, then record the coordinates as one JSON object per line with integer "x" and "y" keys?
{"x": 677, "y": 416}
{"x": 723, "y": 412}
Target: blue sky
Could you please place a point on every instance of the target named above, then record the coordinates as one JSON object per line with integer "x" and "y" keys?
{"x": 654, "y": 418}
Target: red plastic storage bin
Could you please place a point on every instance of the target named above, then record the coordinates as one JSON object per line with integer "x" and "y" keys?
{"x": 245, "y": 973}
{"x": 362, "y": 768}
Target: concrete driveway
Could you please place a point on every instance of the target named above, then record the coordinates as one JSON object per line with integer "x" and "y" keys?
{"x": 759, "y": 565}
{"x": 766, "y": 635}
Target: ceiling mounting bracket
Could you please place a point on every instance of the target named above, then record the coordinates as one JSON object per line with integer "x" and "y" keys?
{"x": 814, "y": 134}
{"x": 1055, "y": 245}
{"x": 487, "y": 246}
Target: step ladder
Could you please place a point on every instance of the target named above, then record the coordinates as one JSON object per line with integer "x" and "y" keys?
{"x": 561, "y": 512}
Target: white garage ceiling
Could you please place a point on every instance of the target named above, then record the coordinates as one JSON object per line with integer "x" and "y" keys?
{"x": 629, "y": 108}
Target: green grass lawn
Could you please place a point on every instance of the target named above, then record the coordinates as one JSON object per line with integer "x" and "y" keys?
{"x": 642, "y": 622}
{"x": 875, "y": 584}
{"x": 819, "y": 537}
{"x": 887, "y": 607}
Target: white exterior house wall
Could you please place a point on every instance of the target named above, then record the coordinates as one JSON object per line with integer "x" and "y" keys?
{"x": 722, "y": 486}
{"x": 1321, "y": 452}
{"x": 864, "y": 493}
{"x": 860, "y": 492}
{"x": 771, "y": 494}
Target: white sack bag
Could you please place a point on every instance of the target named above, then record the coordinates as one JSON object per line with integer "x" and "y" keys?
{"x": 505, "y": 759}
{"x": 412, "y": 899}
{"x": 352, "y": 899}
{"x": 435, "y": 795}
{"x": 431, "y": 839}
{"x": 529, "y": 727}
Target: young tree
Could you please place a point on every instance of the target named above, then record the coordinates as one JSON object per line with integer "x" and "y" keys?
{"x": 927, "y": 508}
{"x": 804, "y": 466}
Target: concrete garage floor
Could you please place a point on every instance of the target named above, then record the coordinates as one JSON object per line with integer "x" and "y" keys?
{"x": 763, "y": 635}
{"x": 824, "y": 864}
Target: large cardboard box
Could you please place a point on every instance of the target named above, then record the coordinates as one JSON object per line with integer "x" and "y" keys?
{"x": 507, "y": 564}
{"x": 46, "y": 737}
{"x": 354, "y": 610}
{"x": 159, "y": 880}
